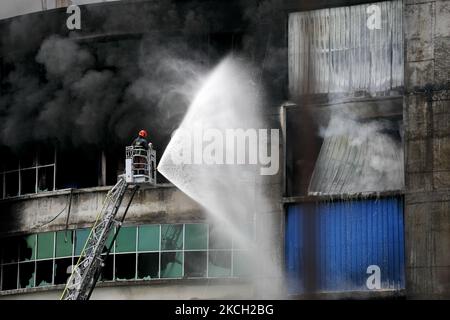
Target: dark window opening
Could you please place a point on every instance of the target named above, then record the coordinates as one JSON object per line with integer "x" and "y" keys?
{"x": 10, "y": 250}
{"x": 12, "y": 184}
{"x": 77, "y": 168}
{"x": 27, "y": 171}
{"x": 125, "y": 266}
{"x": 63, "y": 268}
{"x": 302, "y": 149}
{"x": 1, "y": 186}
{"x": 44, "y": 273}
{"x": 45, "y": 179}
{"x": 28, "y": 158}
{"x": 10, "y": 277}
{"x": 28, "y": 181}
{"x": 107, "y": 273}
{"x": 26, "y": 275}
{"x": 148, "y": 266}
{"x": 27, "y": 248}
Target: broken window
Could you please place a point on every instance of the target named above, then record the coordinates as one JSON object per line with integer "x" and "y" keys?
{"x": 148, "y": 265}
{"x": 28, "y": 172}
{"x": 148, "y": 238}
{"x": 47, "y": 258}
{"x": 63, "y": 268}
{"x": 219, "y": 263}
{"x": 171, "y": 237}
{"x": 196, "y": 236}
{"x": 125, "y": 266}
{"x": 44, "y": 273}
{"x": 26, "y": 274}
{"x": 126, "y": 240}
{"x": 45, "y": 179}
{"x": 27, "y": 181}
{"x": 2, "y": 182}
{"x": 10, "y": 273}
{"x": 45, "y": 245}
{"x": 27, "y": 248}
{"x": 11, "y": 184}
{"x": 108, "y": 270}
{"x": 10, "y": 250}
{"x": 195, "y": 264}
{"x": 171, "y": 264}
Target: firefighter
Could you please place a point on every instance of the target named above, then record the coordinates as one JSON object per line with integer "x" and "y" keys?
{"x": 141, "y": 146}
{"x": 141, "y": 140}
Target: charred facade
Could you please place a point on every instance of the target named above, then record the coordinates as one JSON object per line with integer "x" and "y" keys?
{"x": 364, "y": 148}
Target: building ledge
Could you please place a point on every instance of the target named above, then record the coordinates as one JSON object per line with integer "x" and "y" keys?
{"x": 59, "y": 192}
{"x": 125, "y": 283}
{"x": 343, "y": 197}
{"x": 353, "y": 295}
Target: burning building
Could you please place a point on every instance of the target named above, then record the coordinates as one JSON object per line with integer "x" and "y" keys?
{"x": 357, "y": 209}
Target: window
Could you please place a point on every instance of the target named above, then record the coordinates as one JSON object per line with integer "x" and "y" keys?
{"x": 26, "y": 279}
{"x": 148, "y": 238}
{"x": 219, "y": 263}
{"x": 45, "y": 245}
{"x": 146, "y": 252}
{"x": 81, "y": 236}
{"x": 126, "y": 240}
{"x": 196, "y": 236}
{"x": 30, "y": 173}
{"x": 27, "y": 248}
{"x": 171, "y": 264}
{"x": 172, "y": 237}
{"x": 64, "y": 243}
{"x": 148, "y": 266}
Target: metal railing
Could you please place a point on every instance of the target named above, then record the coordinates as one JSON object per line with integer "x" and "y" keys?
{"x": 140, "y": 165}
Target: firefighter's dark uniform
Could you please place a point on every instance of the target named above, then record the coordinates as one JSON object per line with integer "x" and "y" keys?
{"x": 140, "y": 143}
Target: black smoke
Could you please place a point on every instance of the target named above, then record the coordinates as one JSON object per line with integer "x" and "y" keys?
{"x": 75, "y": 92}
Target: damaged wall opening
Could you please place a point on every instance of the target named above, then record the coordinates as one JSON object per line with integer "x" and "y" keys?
{"x": 346, "y": 82}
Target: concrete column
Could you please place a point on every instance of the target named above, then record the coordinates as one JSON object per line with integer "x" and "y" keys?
{"x": 427, "y": 149}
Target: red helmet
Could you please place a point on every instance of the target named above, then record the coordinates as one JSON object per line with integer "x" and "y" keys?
{"x": 143, "y": 134}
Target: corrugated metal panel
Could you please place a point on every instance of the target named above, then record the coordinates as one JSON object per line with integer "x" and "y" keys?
{"x": 347, "y": 238}
{"x": 332, "y": 50}
{"x": 354, "y": 163}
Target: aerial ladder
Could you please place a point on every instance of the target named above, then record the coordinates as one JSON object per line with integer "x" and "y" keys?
{"x": 140, "y": 170}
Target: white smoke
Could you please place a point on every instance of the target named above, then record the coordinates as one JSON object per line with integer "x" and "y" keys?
{"x": 358, "y": 157}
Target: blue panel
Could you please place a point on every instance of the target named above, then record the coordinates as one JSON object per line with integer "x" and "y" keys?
{"x": 347, "y": 238}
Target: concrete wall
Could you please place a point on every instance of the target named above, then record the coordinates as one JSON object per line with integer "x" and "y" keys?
{"x": 30, "y": 214}
{"x": 427, "y": 149}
